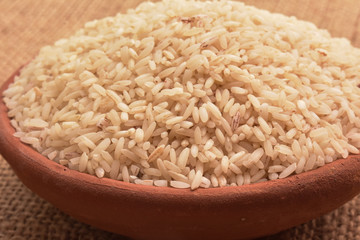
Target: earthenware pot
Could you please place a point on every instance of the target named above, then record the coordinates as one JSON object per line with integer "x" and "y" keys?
{"x": 147, "y": 212}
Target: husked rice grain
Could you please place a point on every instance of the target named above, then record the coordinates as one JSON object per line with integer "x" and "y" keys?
{"x": 161, "y": 183}
{"x": 99, "y": 172}
{"x": 197, "y": 180}
{"x": 287, "y": 171}
{"x": 183, "y": 158}
{"x": 276, "y": 168}
{"x": 115, "y": 168}
{"x": 257, "y": 176}
{"x": 83, "y": 162}
{"x": 179, "y": 184}
{"x": 205, "y": 182}
{"x": 193, "y": 94}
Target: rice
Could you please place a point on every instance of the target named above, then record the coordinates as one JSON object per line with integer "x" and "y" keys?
{"x": 287, "y": 171}
{"x": 179, "y": 184}
{"x": 161, "y": 183}
{"x": 191, "y": 95}
{"x": 100, "y": 172}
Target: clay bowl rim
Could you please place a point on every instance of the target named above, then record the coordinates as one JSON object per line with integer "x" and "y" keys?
{"x": 218, "y": 194}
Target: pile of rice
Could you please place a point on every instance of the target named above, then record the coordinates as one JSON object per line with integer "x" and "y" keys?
{"x": 191, "y": 94}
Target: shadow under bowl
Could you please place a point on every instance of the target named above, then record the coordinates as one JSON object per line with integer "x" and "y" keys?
{"x": 148, "y": 212}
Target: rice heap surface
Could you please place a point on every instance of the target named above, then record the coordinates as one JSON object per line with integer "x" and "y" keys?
{"x": 191, "y": 94}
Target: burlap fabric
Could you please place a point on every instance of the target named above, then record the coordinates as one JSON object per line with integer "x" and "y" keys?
{"x": 26, "y": 25}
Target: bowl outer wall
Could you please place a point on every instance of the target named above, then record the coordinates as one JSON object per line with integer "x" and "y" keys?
{"x": 148, "y": 212}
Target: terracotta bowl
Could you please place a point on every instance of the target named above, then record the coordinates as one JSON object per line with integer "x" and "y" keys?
{"x": 147, "y": 212}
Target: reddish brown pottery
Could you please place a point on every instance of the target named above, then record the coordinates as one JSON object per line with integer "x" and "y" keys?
{"x": 146, "y": 212}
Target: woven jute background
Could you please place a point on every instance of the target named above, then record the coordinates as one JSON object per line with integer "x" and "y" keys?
{"x": 27, "y": 25}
